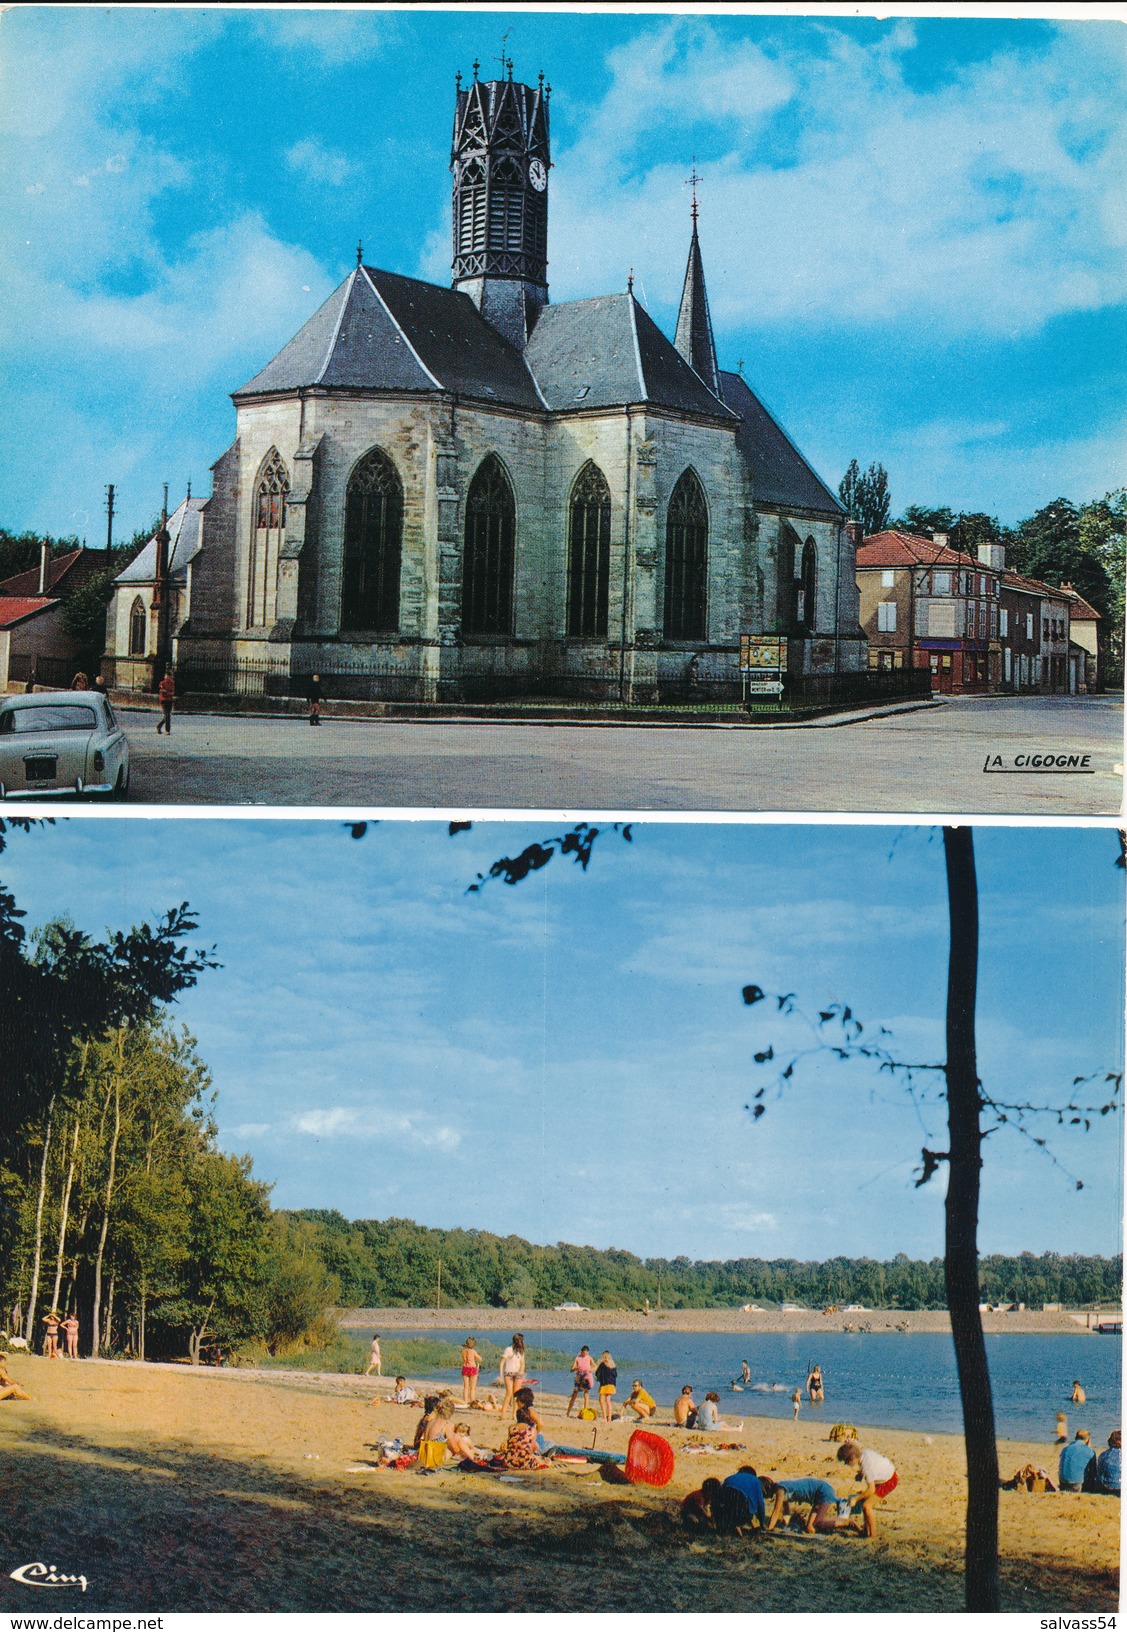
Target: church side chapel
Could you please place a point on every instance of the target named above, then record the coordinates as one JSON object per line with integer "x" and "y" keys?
{"x": 468, "y": 493}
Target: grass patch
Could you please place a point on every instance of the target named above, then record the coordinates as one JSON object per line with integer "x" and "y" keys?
{"x": 406, "y": 1356}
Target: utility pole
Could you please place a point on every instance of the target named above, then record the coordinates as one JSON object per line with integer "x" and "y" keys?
{"x": 109, "y": 522}
{"x": 160, "y": 591}
{"x": 438, "y": 1305}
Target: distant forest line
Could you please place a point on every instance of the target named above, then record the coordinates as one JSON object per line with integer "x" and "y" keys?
{"x": 395, "y": 1263}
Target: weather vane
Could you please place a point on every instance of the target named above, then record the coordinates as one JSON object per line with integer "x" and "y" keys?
{"x": 505, "y": 61}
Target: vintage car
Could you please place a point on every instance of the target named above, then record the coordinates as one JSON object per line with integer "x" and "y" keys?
{"x": 60, "y": 743}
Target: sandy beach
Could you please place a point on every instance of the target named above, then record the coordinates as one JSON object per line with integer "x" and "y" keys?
{"x": 178, "y": 1489}
{"x": 532, "y": 1321}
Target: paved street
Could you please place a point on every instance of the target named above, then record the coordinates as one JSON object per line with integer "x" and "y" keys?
{"x": 930, "y": 759}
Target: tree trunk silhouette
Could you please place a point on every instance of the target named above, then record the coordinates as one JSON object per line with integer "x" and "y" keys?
{"x": 37, "y": 1260}
{"x": 983, "y": 1590}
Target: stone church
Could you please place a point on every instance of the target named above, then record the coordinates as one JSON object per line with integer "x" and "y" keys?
{"x": 469, "y": 493}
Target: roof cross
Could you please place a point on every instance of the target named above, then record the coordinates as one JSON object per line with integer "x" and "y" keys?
{"x": 359, "y": 251}
{"x": 692, "y": 182}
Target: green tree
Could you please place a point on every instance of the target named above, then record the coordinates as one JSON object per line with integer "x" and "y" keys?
{"x": 918, "y": 519}
{"x": 865, "y": 496}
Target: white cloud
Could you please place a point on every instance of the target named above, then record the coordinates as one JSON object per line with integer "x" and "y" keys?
{"x": 350, "y": 1122}
{"x": 318, "y": 163}
{"x": 990, "y": 202}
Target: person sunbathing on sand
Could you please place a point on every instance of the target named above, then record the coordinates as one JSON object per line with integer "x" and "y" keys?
{"x": 9, "y": 1388}
{"x": 684, "y": 1408}
{"x": 402, "y": 1394}
{"x": 709, "y": 1419}
{"x": 875, "y": 1474}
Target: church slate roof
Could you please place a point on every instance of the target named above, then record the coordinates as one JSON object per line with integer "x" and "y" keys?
{"x": 607, "y": 352}
{"x": 185, "y": 533}
{"x": 779, "y": 473}
{"x": 694, "y": 338}
{"x": 383, "y": 332}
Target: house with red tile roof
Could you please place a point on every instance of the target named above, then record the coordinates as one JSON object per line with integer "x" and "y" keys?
{"x": 56, "y": 575}
{"x": 34, "y": 642}
{"x": 925, "y": 605}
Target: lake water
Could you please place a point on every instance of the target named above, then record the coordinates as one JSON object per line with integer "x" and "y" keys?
{"x": 886, "y": 1379}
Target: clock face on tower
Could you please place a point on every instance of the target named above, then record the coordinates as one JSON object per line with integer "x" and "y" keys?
{"x": 537, "y": 175}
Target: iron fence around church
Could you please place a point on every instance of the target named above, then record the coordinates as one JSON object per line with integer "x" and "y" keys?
{"x": 270, "y": 679}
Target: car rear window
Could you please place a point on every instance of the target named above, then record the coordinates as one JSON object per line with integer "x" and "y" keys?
{"x": 47, "y": 717}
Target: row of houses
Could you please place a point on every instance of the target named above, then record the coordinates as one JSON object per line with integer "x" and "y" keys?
{"x": 975, "y": 624}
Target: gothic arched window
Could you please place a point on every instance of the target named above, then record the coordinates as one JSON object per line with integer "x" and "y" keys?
{"x": 487, "y": 569}
{"x": 807, "y": 606}
{"x": 373, "y": 545}
{"x": 268, "y": 534}
{"x": 686, "y": 560}
{"x": 588, "y": 566}
{"x": 138, "y": 628}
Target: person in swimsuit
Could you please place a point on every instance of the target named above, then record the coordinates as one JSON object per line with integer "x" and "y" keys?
{"x": 606, "y": 1375}
{"x": 375, "y": 1359}
{"x": 471, "y": 1365}
{"x": 512, "y": 1370}
{"x": 815, "y": 1386}
{"x": 51, "y": 1337}
{"x": 584, "y": 1368}
{"x": 70, "y": 1327}
{"x": 684, "y": 1408}
{"x": 1078, "y": 1396}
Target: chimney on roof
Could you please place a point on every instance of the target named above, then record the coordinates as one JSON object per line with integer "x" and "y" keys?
{"x": 941, "y": 539}
{"x": 44, "y": 557}
{"x": 854, "y": 532}
{"x": 993, "y": 556}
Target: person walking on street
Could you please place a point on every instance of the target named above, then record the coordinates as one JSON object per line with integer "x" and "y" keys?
{"x": 166, "y": 695}
{"x": 315, "y": 696}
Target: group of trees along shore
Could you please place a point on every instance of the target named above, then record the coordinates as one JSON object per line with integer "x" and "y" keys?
{"x": 395, "y": 1263}
{"x": 115, "y": 1202}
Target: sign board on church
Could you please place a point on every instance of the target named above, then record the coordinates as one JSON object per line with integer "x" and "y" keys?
{"x": 763, "y": 652}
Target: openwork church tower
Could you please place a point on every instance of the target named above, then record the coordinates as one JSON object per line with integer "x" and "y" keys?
{"x": 472, "y": 493}
{"x": 500, "y": 163}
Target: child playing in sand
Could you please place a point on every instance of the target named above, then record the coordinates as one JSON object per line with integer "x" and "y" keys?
{"x": 816, "y": 1494}
{"x": 876, "y": 1475}
{"x": 696, "y": 1509}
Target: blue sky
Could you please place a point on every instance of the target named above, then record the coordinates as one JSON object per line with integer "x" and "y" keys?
{"x": 913, "y": 229}
{"x": 570, "y": 1059}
